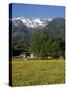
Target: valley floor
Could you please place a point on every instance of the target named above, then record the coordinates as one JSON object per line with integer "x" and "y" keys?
{"x": 37, "y": 72}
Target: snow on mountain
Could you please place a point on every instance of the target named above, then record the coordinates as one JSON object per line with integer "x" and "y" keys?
{"x": 31, "y": 23}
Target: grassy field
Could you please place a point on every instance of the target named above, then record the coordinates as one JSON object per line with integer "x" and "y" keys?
{"x": 37, "y": 72}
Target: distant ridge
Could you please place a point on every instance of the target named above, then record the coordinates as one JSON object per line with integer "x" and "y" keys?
{"x": 22, "y": 33}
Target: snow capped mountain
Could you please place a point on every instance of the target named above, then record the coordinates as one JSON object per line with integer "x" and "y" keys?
{"x": 31, "y": 23}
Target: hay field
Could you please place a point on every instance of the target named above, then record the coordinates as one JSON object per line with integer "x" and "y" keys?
{"x": 37, "y": 72}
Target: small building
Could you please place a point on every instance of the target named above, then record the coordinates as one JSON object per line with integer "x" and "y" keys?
{"x": 31, "y": 55}
{"x": 49, "y": 57}
{"x": 22, "y": 55}
{"x": 26, "y": 55}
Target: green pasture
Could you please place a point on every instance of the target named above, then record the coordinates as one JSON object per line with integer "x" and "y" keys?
{"x": 37, "y": 72}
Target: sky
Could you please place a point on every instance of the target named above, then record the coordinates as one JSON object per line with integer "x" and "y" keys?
{"x": 34, "y": 11}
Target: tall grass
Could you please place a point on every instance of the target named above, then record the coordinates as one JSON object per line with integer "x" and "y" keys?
{"x": 37, "y": 72}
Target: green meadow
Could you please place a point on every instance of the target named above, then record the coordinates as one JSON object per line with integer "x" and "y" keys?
{"x": 37, "y": 72}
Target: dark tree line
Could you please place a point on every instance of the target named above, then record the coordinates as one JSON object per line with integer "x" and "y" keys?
{"x": 43, "y": 46}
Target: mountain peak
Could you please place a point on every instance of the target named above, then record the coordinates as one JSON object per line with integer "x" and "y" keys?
{"x": 32, "y": 23}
